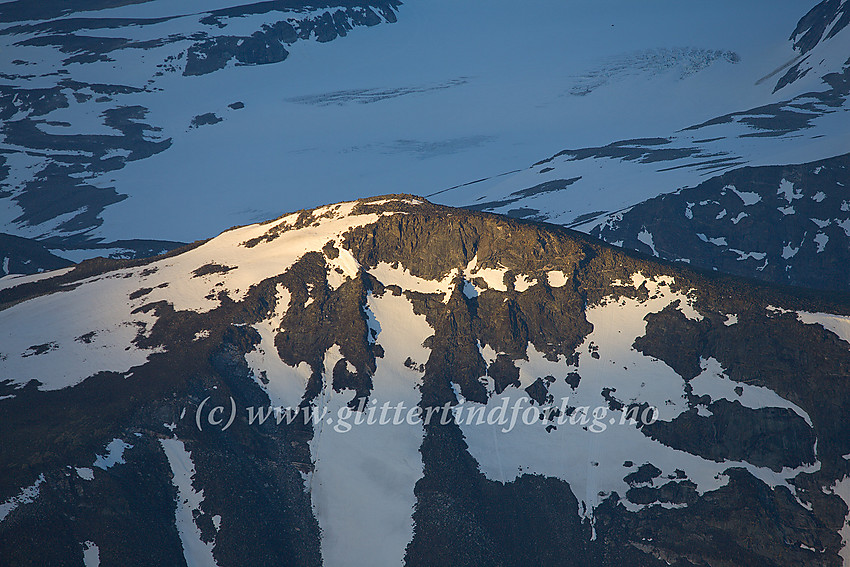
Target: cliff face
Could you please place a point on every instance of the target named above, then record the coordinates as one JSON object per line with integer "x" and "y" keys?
{"x": 120, "y": 378}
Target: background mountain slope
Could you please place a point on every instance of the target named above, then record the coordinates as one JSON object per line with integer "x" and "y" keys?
{"x": 800, "y": 128}
{"x": 126, "y": 122}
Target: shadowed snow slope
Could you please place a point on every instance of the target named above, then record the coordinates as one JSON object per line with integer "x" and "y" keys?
{"x": 150, "y": 119}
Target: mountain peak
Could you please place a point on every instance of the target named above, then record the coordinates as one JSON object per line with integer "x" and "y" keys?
{"x": 393, "y": 302}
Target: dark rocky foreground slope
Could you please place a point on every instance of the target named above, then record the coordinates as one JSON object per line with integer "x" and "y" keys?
{"x": 104, "y": 369}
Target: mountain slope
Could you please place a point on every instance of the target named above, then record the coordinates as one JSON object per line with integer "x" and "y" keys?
{"x": 78, "y": 85}
{"x": 150, "y": 120}
{"x": 116, "y": 414}
{"x": 799, "y": 124}
{"x": 788, "y": 224}
{"x": 820, "y": 24}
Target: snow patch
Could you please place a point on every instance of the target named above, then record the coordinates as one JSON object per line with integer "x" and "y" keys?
{"x": 624, "y": 373}
{"x": 344, "y": 267}
{"x": 715, "y": 383}
{"x": 25, "y": 496}
{"x": 522, "y": 283}
{"x": 742, "y": 256}
{"x": 249, "y": 255}
{"x": 469, "y": 290}
{"x": 197, "y": 552}
{"x": 748, "y": 197}
{"x": 358, "y": 494}
{"x": 557, "y": 278}
{"x": 91, "y": 554}
{"x": 716, "y": 241}
{"x": 842, "y": 488}
{"x": 494, "y": 278}
{"x": 488, "y": 353}
{"x": 837, "y": 324}
{"x": 284, "y": 384}
{"x": 738, "y": 218}
{"x": 788, "y": 191}
{"x": 774, "y": 310}
{"x": 398, "y": 275}
{"x": 646, "y": 237}
{"x": 13, "y": 280}
{"x": 114, "y": 455}
{"x": 85, "y": 473}
{"x": 87, "y": 339}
